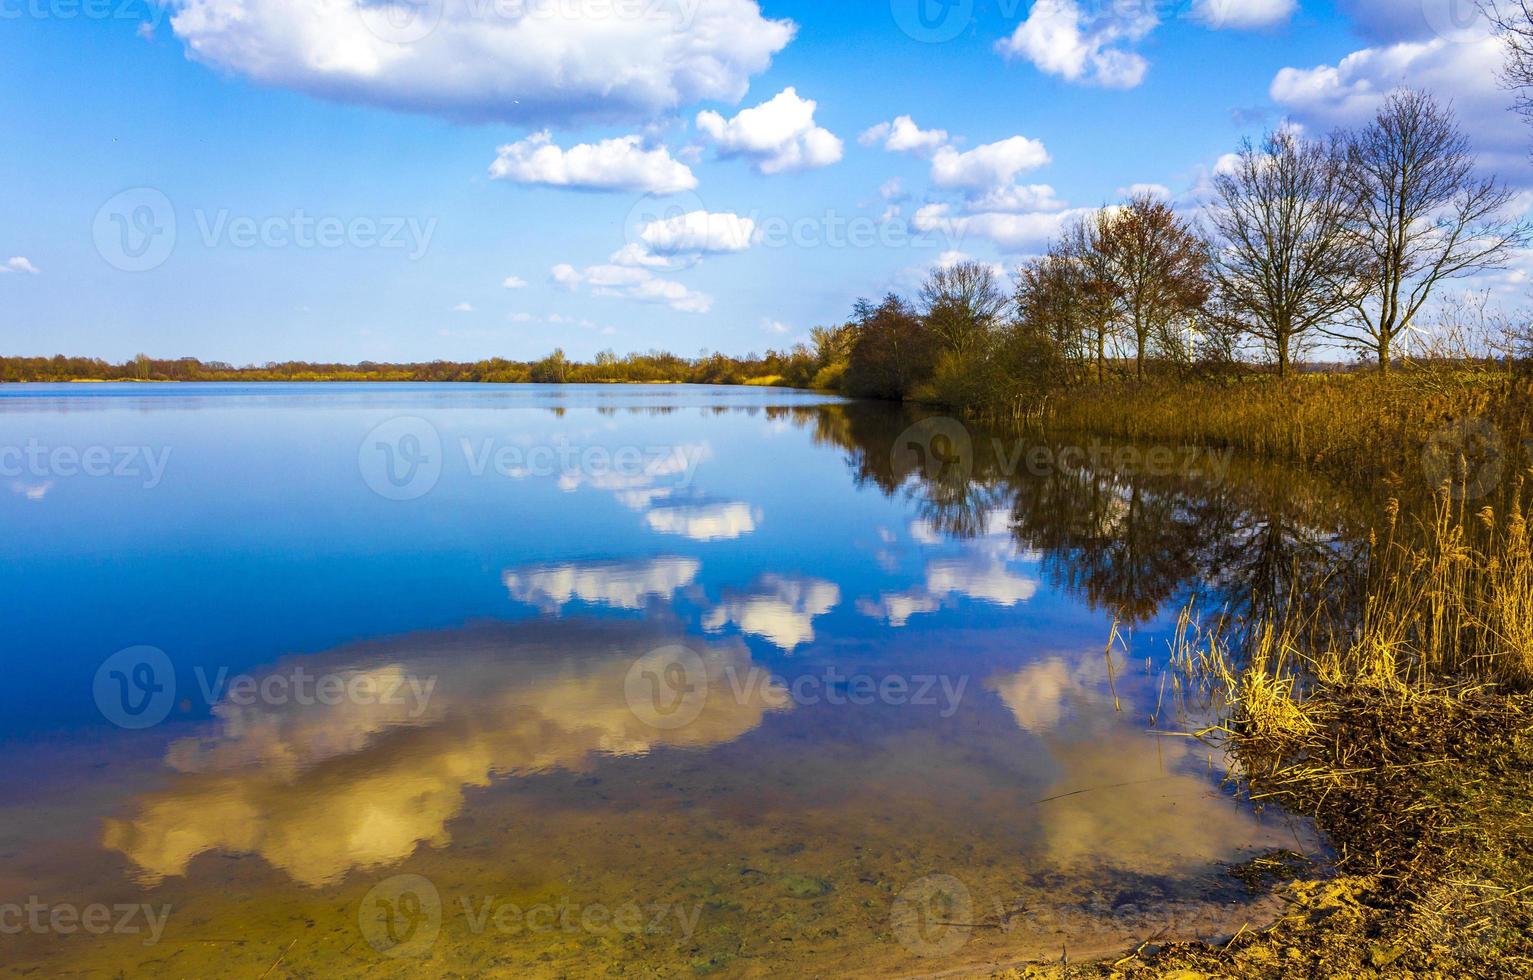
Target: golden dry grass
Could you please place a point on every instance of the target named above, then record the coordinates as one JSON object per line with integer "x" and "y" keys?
{"x": 1357, "y": 424}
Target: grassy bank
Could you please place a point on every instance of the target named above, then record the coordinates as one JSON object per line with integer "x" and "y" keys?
{"x": 1425, "y": 797}
{"x": 1358, "y": 424}
{"x": 1400, "y": 722}
{"x": 1402, "y": 725}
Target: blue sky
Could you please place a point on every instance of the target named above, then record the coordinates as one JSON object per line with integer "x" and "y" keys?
{"x": 329, "y": 173}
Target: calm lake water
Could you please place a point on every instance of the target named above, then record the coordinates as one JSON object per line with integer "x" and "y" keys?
{"x": 528, "y": 681}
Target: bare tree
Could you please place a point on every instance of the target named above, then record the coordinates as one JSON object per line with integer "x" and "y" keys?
{"x": 963, "y": 304}
{"x": 1066, "y": 295}
{"x": 1159, "y": 269}
{"x": 1513, "y": 20}
{"x": 1285, "y": 259}
{"x": 1085, "y": 241}
{"x": 1423, "y": 216}
{"x": 1049, "y": 300}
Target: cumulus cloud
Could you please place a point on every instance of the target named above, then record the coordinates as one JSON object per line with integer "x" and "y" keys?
{"x": 780, "y": 609}
{"x": 704, "y": 522}
{"x": 20, "y": 263}
{"x": 1243, "y": 14}
{"x": 470, "y": 60}
{"x": 514, "y": 282}
{"x": 1350, "y": 91}
{"x": 953, "y": 257}
{"x": 987, "y": 168}
{"x": 321, "y": 787}
{"x": 778, "y": 136}
{"x": 621, "y": 585}
{"x": 1092, "y": 49}
{"x": 1014, "y": 232}
{"x": 699, "y": 232}
{"x": 904, "y": 136}
{"x": 975, "y": 578}
{"x": 633, "y": 283}
{"x": 620, "y": 164}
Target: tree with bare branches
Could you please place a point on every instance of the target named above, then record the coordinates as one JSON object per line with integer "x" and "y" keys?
{"x": 1158, "y": 265}
{"x": 1085, "y": 243}
{"x": 1422, "y": 214}
{"x": 1065, "y": 295}
{"x": 1513, "y": 20}
{"x": 963, "y": 305}
{"x": 1286, "y": 260}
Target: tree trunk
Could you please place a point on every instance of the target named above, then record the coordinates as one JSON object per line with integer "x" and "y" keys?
{"x": 1139, "y": 357}
{"x": 1383, "y": 353}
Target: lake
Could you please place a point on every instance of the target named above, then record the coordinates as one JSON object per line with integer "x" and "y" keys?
{"x": 405, "y": 680}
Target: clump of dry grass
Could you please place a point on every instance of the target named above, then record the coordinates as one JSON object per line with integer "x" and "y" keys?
{"x": 1351, "y": 424}
{"x": 1401, "y": 730}
{"x": 1449, "y": 600}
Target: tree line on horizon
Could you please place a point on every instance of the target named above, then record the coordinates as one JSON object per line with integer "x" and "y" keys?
{"x": 1342, "y": 239}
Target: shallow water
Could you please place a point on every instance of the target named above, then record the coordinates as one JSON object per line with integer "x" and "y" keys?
{"x": 417, "y": 680}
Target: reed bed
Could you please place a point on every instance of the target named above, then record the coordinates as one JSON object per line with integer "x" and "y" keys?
{"x": 1355, "y": 423}
{"x": 1405, "y": 729}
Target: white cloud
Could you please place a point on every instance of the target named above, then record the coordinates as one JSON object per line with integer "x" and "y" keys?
{"x": 987, "y": 176}
{"x": 620, "y": 164}
{"x": 703, "y": 522}
{"x": 893, "y": 189}
{"x": 472, "y": 60}
{"x": 515, "y": 282}
{"x": 20, "y": 263}
{"x": 987, "y": 167}
{"x": 779, "y": 135}
{"x": 978, "y": 578}
{"x": 1018, "y": 198}
{"x": 699, "y": 232}
{"x": 1061, "y": 40}
{"x": 463, "y": 308}
{"x": 952, "y": 257}
{"x": 896, "y": 608}
{"x": 1349, "y": 92}
{"x": 636, "y": 254}
{"x": 1015, "y": 232}
{"x": 776, "y": 326}
{"x": 634, "y": 283}
{"x": 780, "y": 609}
{"x": 904, "y": 136}
{"x": 621, "y": 585}
{"x": 990, "y": 582}
{"x": 1151, "y": 190}
{"x": 1244, "y": 14}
